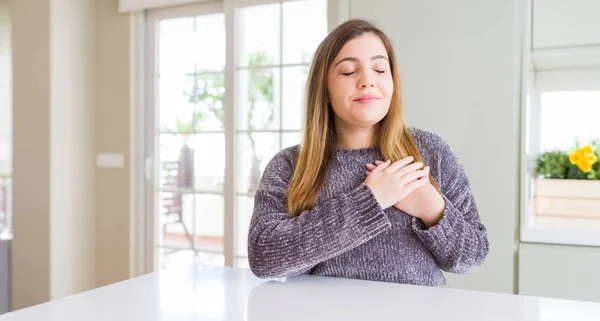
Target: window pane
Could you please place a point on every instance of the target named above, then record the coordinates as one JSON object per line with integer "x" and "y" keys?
{"x": 176, "y": 103}
{"x": 209, "y": 162}
{"x": 245, "y": 205}
{"x": 301, "y": 39}
{"x": 175, "y": 220}
{"x": 5, "y": 155}
{"x": 5, "y": 109}
{"x": 208, "y": 222}
{"x": 209, "y": 96}
{"x": 209, "y": 44}
{"x": 258, "y": 99}
{"x": 175, "y": 38}
{"x": 259, "y": 35}
{"x": 182, "y": 227}
{"x": 176, "y": 162}
{"x": 294, "y": 98}
{"x": 5, "y": 206}
{"x": 255, "y": 150}
{"x": 567, "y": 116}
{"x": 290, "y": 139}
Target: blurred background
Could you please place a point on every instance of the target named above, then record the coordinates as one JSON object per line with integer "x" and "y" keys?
{"x": 133, "y": 133}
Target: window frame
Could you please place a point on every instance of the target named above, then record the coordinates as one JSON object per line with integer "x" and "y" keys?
{"x": 337, "y": 12}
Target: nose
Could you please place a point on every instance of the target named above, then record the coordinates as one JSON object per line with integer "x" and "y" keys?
{"x": 366, "y": 81}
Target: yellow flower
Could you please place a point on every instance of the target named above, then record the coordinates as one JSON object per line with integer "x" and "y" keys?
{"x": 584, "y": 158}
{"x": 575, "y": 156}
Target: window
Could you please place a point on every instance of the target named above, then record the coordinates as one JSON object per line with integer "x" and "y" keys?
{"x": 196, "y": 118}
{"x": 5, "y": 123}
{"x": 567, "y": 117}
{"x": 271, "y": 71}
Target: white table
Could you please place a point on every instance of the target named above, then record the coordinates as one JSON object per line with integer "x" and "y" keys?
{"x": 214, "y": 293}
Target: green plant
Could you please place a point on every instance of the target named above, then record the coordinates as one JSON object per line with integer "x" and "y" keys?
{"x": 560, "y": 164}
{"x": 209, "y": 89}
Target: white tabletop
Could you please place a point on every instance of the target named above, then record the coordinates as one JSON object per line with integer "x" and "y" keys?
{"x": 214, "y": 293}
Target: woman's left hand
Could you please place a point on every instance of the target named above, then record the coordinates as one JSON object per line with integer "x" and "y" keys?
{"x": 424, "y": 203}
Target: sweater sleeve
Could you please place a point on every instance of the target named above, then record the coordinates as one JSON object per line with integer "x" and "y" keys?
{"x": 459, "y": 241}
{"x": 281, "y": 245}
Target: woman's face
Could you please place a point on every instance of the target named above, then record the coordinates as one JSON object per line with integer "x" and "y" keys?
{"x": 359, "y": 82}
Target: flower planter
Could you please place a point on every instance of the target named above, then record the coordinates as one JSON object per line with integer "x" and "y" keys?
{"x": 567, "y": 198}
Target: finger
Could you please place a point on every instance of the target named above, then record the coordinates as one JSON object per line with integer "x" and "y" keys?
{"x": 382, "y": 166}
{"x": 409, "y": 168}
{"x": 412, "y": 176}
{"x": 377, "y": 162}
{"x": 412, "y": 186}
{"x": 371, "y": 167}
{"x": 399, "y": 164}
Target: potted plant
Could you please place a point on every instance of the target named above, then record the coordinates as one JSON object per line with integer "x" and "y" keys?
{"x": 568, "y": 182}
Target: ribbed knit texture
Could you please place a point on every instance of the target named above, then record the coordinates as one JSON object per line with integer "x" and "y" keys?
{"x": 347, "y": 234}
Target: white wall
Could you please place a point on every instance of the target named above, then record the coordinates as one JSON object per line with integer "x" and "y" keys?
{"x": 30, "y": 248}
{"x": 562, "y": 23}
{"x": 53, "y": 249}
{"x": 560, "y": 271}
{"x": 5, "y": 88}
{"x": 460, "y": 71}
{"x": 72, "y": 168}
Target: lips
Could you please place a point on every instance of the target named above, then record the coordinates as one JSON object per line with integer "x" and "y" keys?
{"x": 365, "y": 99}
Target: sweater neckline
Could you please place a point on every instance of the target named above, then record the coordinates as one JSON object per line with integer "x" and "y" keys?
{"x": 345, "y": 152}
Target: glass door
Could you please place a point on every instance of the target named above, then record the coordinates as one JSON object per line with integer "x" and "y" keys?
{"x": 226, "y": 93}
{"x": 187, "y": 145}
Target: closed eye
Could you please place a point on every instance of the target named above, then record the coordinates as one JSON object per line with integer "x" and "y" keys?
{"x": 380, "y": 71}
{"x": 348, "y": 73}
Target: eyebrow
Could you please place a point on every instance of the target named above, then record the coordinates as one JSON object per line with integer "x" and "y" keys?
{"x": 356, "y": 60}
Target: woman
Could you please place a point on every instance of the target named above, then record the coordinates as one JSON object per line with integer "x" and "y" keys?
{"x": 364, "y": 196}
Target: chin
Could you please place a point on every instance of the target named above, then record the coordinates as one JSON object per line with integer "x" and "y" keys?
{"x": 369, "y": 120}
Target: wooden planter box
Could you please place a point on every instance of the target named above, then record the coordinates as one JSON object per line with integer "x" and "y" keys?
{"x": 567, "y": 198}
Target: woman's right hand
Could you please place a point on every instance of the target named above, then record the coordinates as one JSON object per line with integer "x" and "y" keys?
{"x": 390, "y": 183}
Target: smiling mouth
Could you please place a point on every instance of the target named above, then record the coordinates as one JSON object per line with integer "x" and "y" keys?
{"x": 366, "y": 100}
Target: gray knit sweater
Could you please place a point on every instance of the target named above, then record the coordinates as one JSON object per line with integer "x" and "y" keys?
{"x": 347, "y": 234}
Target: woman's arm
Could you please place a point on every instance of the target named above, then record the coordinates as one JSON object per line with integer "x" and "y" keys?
{"x": 280, "y": 245}
{"x": 459, "y": 240}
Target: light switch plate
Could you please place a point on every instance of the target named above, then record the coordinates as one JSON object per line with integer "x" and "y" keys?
{"x": 110, "y": 160}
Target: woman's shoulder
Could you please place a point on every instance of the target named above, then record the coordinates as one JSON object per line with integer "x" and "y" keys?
{"x": 280, "y": 167}
{"x": 428, "y": 138}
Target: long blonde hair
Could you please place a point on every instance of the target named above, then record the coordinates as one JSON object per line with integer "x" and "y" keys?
{"x": 316, "y": 151}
